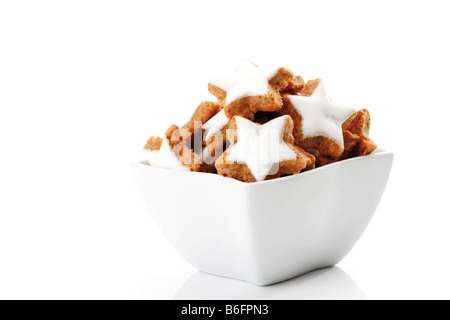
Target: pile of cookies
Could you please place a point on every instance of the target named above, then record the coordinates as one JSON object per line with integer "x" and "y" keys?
{"x": 266, "y": 123}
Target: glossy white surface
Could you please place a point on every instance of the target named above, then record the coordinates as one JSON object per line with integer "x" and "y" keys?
{"x": 269, "y": 231}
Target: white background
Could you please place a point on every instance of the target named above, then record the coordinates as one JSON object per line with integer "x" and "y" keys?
{"x": 83, "y": 84}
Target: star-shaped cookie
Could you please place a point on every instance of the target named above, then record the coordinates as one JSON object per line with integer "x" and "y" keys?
{"x": 318, "y": 120}
{"x": 251, "y": 89}
{"x": 215, "y": 125}
{"x": 261, "y": 152}
{"x": 204, "y": 112}
{"x": 214, "y": 138}
{"x": 161, "y": 155}
{"x": 172, "y": 152}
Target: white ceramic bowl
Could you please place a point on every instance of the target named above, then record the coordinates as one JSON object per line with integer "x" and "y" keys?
{"x": 269, "y": 231}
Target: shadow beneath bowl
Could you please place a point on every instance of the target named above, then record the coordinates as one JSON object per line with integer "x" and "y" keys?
{"x": 325, "y": 284}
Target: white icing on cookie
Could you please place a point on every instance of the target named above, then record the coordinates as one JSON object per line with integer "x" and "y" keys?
{"x": 164, "y": 157}
{"x": 247, "y": 81}
{"x": 320, "y": 115}
{"x": 260, "y": 147}
{"x": 215, "y": 124}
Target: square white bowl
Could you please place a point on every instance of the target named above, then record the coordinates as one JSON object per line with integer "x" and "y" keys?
{"x": 269, "y": 231}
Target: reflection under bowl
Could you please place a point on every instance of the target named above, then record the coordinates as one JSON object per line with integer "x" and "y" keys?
{"x": 269, "y": 231}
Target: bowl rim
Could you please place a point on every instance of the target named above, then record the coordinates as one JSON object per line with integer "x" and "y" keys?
{"x": 375, "y": 154}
